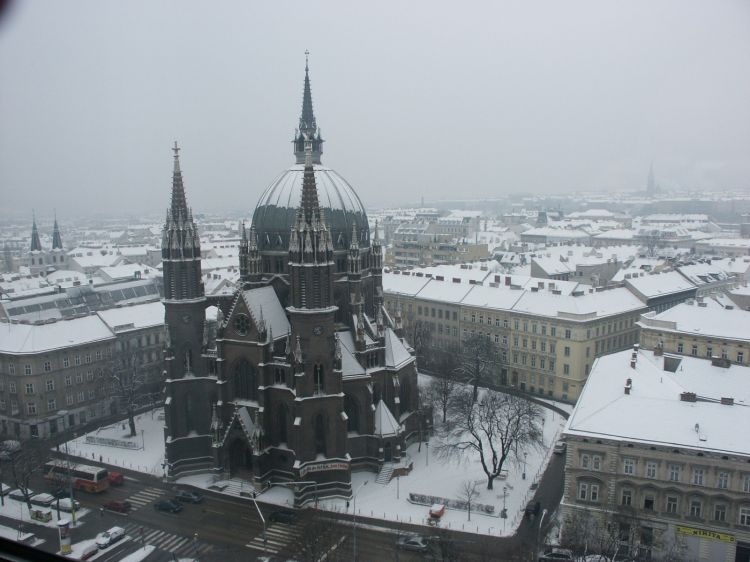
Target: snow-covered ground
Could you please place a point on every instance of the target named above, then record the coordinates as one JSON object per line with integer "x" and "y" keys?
{"x": 148, "y": 458}
{"x": 15, "y": 535}
{"x": 18, "y": 510}
{"x": 140, "y": 554}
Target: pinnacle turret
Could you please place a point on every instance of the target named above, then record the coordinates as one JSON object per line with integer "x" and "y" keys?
{"x": 36, "y": 244}
{"x": 56, "y": 238}
{"x": 179, "y": 201}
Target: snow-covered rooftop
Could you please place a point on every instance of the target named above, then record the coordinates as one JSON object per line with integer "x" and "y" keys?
{"x": 653, "y": 412}
{"x": 134, "y": 317}
{"x": 23, "y": 339}
{"x": 710, "y": 321}
{"x": 265, "y": 304}
{"x": 660, "y": 284}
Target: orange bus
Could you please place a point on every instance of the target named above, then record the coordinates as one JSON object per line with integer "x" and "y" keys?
{"x": 84, "y": 477}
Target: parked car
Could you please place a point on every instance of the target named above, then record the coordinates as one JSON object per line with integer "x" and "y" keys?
{"x": 532, "y": 509}
{"x": 188, "y": 497}
{"x": 115, "y": 478}
{"x": 18, "y": 495}
{"x": 89, "y": 551}
{"x": 67, "y": 504}
{"x": 170, "y": 506}
{"x": 44, "y": 500}
{"x": 109, "y": 537}
{"x": 284, "y": 516}
{"x": 120, "y": 506}
{"x": 560, "y": 447}
{"x": 416, "y": 543}
{"x": 557, "y": 555}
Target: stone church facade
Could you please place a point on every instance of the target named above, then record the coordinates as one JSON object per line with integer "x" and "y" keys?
{"x": 305, "y": 376}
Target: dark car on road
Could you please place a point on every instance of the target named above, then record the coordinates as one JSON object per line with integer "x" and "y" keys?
{"x": 284, "y": 516}
{"x": 532, "y": 509}
{"x": 170, "y": 506}
{"x": 120, "y": 506}
{"x": 188, "y": 497}
{"x": 413, "y": 542}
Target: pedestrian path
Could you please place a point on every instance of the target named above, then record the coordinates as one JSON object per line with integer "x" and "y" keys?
{"x": 278, "y": 537}
{"x": 169, "y": 542}
{"x": 145, "y": 497}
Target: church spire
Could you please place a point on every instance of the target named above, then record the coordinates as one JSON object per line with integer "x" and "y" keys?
{"x": 310, "y": 206}
{"x": 36, "y": 244}
{"x": 308, "y": 128}
{"x": 179, "y": 202}
{"x": 56, "y": 238}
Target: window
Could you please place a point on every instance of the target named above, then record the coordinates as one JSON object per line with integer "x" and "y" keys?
{"x": 505, "y": 340}
{"x": 720, "y": 512}
{"x": 551, "y": 364}
{"x": 27, "y": 369}
{"x": 722, "y": 480}
{"x": 81, "y": 397}
{"x": 51, "y": 405}
{"x": 12, "y": 368}
{"x": 672, "y": 504}
{"x": 567, "y": 334}
{"x": 675, "y": 472}
{"x": 506, "y": 323}
{"x": 543, "y": 345}
{"x": 525, "y": 326}
{"x": 69, "y": 399}
{"x": 553, "y": 331}
{"x": 628, "y": 466}
{"x": 99, "y": 353}
{"x": 66, "y": 362}
{"x": 68, "y": 380}
{"x": 31, "y": 408}
{"x": 585, "y": 461}
{"x": 594, "y": 492}
{"x": 567, "y": 351}
{"x": 627, "y": 497}
{"x": 746, "y": 484}
{"x": 583, "y": 491}
{"x": 533, "y": 328}
{"x": 515, "y": 341}
{"x": 77, "y": 360}
{"x": 709, "y": 351}
{"x": 79, "y": 378}
{"x": 694, "y": 350}
{"x": 552, "y": 347}
{"x": 47, "y": 366}
{"x": 648, "y": 502}
{"x": 92, "y": 394}
{"x": 596, "y": 462}
{"x": 724, "y": 354}
{"x": 50, "y": 385}
{"x": 525, "y": 343}
{"x": 699, "y": 476}
{"x": 740, "y": 357}
{"x": 680, "y": 348}
{"x": 696, "y": 507}
{"x": 745, "y": 516}
{"x": 29, "y": 388}
{"x": 89, "y": 375}
{"x": 12, "y": 387}
{"x": 566, "y": 369}
{"x": 650, "y": 469}
{"x": 533, "y": 344}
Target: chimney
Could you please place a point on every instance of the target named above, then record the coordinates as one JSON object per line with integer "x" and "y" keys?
{"x": 727, "y": 401}
{"x": 688, "y": 397}
{"x": 628, "y": 386}
{"x": 507, "y": 280}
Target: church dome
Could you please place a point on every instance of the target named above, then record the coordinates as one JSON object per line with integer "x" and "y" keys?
{"x": 275, "y": 213}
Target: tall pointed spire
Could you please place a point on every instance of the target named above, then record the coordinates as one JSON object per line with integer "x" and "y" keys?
{"x": 36, "y": 244}
{"x": 310, "y": 207}
{"x": 308, "y": 128}
{"x": 56, "y": 238}
{"x": 179, "y": 203}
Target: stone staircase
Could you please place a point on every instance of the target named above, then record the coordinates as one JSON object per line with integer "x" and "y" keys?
{"x": 385, "y": 474}
{"x": 234, "y": 486}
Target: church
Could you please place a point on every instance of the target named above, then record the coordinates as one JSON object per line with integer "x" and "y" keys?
{"x": 304, "y": 376}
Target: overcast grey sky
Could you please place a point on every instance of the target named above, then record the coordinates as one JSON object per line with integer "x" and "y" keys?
{"x": 413, "y": 98}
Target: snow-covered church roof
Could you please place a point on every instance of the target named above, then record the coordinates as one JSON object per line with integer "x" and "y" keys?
{"x": 396, "y": 354}
{"x": 385, "y": 424}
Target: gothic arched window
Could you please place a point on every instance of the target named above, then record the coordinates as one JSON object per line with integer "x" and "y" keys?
{"x": 319, "y": 378}
{"x": 281, "y": 423}
{"x": 351, "y": 408}
{"x": 245, "y": 385}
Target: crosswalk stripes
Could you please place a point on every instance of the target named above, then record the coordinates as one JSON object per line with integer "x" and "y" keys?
{"x": 278, "y": 536}
{"x": 176, "y": 544}
{"x": 145, "y": 497}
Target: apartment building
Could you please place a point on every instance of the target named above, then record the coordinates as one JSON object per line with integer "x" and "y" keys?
{"x": 548, "y": 333}
{"x": 699, "y": 329}
{"x": 56, "y": 374}
{"x": 683, "y": 488}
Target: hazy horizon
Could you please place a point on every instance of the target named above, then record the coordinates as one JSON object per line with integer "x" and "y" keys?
{"x": 421, "y": 99}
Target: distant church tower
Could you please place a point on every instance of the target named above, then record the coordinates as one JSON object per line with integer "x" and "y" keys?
{"x": 189, "y": 387}
{"x": 651, "y": 187}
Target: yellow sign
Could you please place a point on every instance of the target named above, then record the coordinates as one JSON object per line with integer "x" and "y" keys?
{"x": 702, "y": 533}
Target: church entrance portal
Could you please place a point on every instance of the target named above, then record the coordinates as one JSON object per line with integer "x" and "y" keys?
{"x": 240, "y": 459}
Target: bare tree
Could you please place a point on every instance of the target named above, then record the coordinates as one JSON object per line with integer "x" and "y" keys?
{"x": 477, "y": 361}
{"x": 320, "y": 537}
{"x": 497, "y": 427}
{"x": 468, "y": 492}
{"x": 440, "y": 391}
{"x": 127, "y": 384}
{"x": 24, "y": 460}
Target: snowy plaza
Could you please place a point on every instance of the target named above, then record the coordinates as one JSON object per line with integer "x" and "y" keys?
{"x": 430, "y": 476}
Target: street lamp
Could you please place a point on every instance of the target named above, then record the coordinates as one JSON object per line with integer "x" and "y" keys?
{"x": 354, "y": 527}
{"x": 523, "y": 475}
{"x": 539, "y": 530}
{"x": 262, "y": 520}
